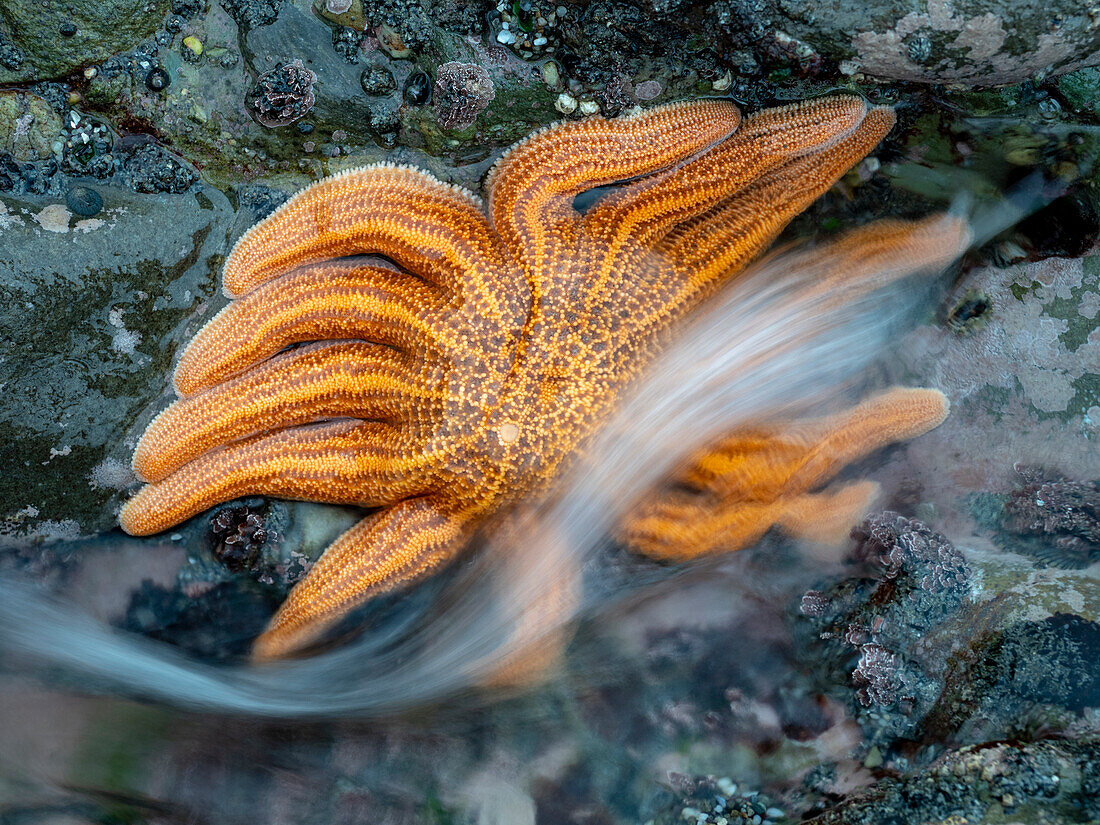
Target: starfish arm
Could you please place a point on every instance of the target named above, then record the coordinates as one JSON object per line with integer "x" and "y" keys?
{"x": 531, "y": 188}
{"x": 767, "y": 463}
{"x": 318, "y": 303}
{"x": 751, "y": 480}
{"x": 879, "y": 253}
{"x": 315, "y": 382}
{"x": 626, "y": 224}
{"x": 425, "y": 226}
{"x": 898, "y": 414}
{"x": 828, "y": 517}
{"x": 708, "y": 248}
{"x": 341, "y": 462}
{"x": 387, "y": 550}
{"x": 682, "y": 528}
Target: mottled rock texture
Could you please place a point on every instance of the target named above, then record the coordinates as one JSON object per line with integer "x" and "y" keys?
{"x": 956, "y": 41}
{"x": 92, "y": 312}
{"x": 45, "y": 40}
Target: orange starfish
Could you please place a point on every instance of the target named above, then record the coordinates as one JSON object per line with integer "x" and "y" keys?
{"x": 458, "y": 378}
{"x": 734, "y": 491}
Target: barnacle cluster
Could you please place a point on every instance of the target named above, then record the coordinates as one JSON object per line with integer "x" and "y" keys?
{"x": 1065, "y": 513}
{"x": 282, "y": 95}
{"x": 238, "y": 534}
{"x": 898, "y": 544}
{"x": 462, "y": 91}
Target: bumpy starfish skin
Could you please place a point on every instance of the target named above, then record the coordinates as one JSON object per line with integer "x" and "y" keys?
{"x": 457, "y": 378}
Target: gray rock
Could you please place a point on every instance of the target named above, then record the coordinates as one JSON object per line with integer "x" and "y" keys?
{"x": 975, "y": 42}
{"x": 1038, "y": 782}
{"x": 28, "y": 126}
{"x": 32, "y": 46}
{"x": 93, "y": 311}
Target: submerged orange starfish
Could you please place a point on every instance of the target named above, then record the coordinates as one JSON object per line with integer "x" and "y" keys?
{"x": 457, "y": 379}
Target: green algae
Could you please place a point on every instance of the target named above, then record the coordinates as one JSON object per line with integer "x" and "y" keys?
{"x": 89, "y": 344}
{"x": 101, "y": 28}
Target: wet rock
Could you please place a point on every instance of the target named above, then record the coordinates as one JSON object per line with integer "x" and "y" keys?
{"x": 188, "y": 8}
{"x": 921, "y": 583}
{"x": 1055, "y": 661}
{"x": 708, "y": 801}
{"x": 217, "y": 625}
{"x": 261, "y": 200}
{"x": 1063, "y": 515}
{"x": 30, "y": 49}
{"x": 150, "y": 168}
{"x": 252, "y": 13}
{"x": 962, "y": 42}
{"x": 1031, "y": 370}
{"x": 29, "y": 126}
{"x": 335, "y": 100}
{"x": 28, "y": 178}
{"x": 1081, "y": 89}
{"x": 1038, "y": 782}
{"x": 522, "y": 101}
{"x": 92, "y": 309}
{"x": 1066, "y": 227}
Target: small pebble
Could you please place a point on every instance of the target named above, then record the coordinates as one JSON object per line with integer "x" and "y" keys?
{"x": 566, "y": 103}
{"x": 589, "y": 107}
{"x": 193, "y": 45}
{"x": 551, "y": 76}
{"x": 84, "y": 201}
{"x": 647, "y": 90}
